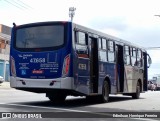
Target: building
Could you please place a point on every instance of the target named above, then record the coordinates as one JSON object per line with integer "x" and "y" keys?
{"x": 5, "y": 36}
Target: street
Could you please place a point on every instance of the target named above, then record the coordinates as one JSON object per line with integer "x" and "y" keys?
{"x": 12, "y": 100}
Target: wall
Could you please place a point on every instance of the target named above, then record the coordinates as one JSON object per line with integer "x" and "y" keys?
{"x": 5, "y": 33}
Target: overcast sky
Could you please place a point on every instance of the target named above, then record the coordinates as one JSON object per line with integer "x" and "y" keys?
{"x": 131, "y": 20}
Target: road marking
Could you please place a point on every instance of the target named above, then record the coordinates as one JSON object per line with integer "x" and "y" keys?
{"x": 145, "y": 119}
{"x": 64, "y": 109}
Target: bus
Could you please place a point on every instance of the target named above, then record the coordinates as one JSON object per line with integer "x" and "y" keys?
{"x": 61, "y": 58}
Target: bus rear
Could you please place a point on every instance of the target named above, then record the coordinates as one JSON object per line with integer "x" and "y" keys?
{"x": 40, "y": 57}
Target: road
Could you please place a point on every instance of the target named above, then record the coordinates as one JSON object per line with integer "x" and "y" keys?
{"x": 78, "y": 108}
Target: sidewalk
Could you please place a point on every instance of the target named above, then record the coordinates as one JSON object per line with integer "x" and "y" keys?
{"x": 5, "y": 85}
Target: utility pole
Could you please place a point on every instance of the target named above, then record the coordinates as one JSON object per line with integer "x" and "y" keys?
{"x": 72, "y": 12}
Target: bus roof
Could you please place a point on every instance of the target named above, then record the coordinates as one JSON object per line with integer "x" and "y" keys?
{"x": 90, "y": 31}
{"x": 101, "y": 34}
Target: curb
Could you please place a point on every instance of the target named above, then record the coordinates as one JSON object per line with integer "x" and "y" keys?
{"x": 5, "y": 85}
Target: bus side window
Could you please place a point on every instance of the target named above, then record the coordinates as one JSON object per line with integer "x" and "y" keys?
{"x": 81, "y": 38}
{"x": 127, "y": 55}
{"x": 133, "y": 57}
{"x": 111, "y": 51}
{"x": 104, "y": 45}
{"x": 102, "y": 50}
{"x": 139, "y": 58}
{"x": 99, "y": 43}
{"x": 81, "y": 44}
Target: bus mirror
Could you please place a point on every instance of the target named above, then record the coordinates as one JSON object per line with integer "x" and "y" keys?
{"x": 149, "y": 61}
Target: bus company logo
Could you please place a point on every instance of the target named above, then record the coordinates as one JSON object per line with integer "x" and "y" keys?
{"x": 37, "y": 71}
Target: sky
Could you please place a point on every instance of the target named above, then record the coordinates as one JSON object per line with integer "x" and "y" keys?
{"x": 131, "y": 20}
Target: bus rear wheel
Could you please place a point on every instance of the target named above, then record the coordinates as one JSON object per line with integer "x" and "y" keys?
{"x": 57, "y": 98}
{"x": 105, "y": 92}
{"x": 138, "y": 90}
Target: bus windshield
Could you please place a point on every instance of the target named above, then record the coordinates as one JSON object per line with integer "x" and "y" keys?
{"x": 40, "y": 37}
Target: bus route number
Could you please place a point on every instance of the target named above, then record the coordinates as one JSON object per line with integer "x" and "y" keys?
{"x": 37, "y": 60}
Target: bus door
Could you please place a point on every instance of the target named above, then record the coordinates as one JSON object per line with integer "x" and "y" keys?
{"x": 147, "y": 63}
{"x": 120, "y": 68}
{"x": 93, "y": 55}
{"x": 145, "y": 75}
{"x": 81, "y": 63}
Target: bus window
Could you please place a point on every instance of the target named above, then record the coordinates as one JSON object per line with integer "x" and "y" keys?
{"x": 111, "y": 54}
{"x": 139, "y": 58}
{"x": 127, "y": 55}
{"x": 110, "y": 46}
{"x": 127, "y": 50}
{"x": 104, "y": 44}
{"x": 81, "y": 47}
{"x": 40, "y": 37}
{"x": 139, "y": 53}
{"x": 103, "y": 56}
{"x": 99, "y": 43}
{"x": 133, "y": 57}
{"x": 134, "y": 52}
{"x": 103, "y": 50}
{"x": 81, "y": 38}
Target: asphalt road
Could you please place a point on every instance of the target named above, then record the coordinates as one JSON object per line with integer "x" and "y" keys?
{"x": 77, "y": 108}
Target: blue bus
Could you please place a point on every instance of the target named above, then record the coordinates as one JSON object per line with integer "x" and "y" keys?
{"x": 63, "y": 58}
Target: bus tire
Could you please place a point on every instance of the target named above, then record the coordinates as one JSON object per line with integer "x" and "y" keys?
{"x": 138, "y": 90}
{"x": 57, "y": 98}
{"x": 105, "y": 92}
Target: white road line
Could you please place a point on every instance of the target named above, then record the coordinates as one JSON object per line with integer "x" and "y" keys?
{"x": 146, "y": 119}
{"x": 63, "y": 109}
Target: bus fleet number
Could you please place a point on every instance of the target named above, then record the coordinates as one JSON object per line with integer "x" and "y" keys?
{"x": 37, "y": 60}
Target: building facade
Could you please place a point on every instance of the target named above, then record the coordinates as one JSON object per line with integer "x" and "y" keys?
{"x": 5, "y": 36}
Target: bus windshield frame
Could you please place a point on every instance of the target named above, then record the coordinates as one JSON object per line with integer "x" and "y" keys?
{"x": 36, "y": 27}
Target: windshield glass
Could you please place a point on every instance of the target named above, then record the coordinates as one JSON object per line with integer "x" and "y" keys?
{"x": 40, "y": 36}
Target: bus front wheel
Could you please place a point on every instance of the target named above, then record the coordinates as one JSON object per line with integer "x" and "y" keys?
{"x": 105, "y": 92}
{"x": 138, "y": 90}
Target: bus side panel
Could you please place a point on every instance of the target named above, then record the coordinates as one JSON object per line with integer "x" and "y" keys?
{"x": 132, "y": 75}
{"x": 82, "y": 75}
{"x": 108, "y": 70}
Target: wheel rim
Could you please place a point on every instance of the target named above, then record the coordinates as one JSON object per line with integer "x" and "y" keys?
{"x": 105, "y": 92}
{"x": 138, "y": 90}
